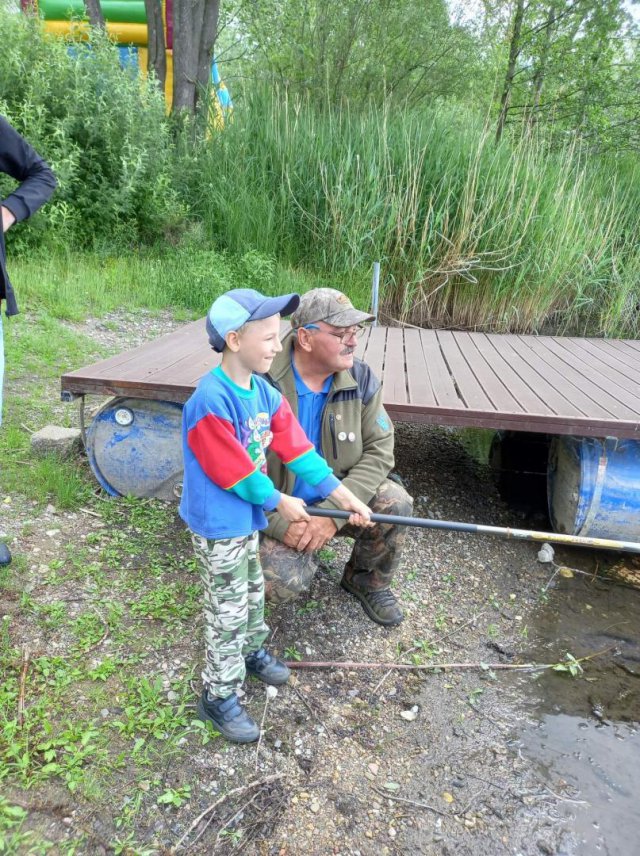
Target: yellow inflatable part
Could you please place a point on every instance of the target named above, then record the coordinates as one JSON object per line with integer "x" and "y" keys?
{"x": 123, "y": 34}
{"x": 143, "y": 60}
{"x": 168, "y": 83}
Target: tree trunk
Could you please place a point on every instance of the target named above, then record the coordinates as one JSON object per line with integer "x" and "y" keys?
{"x": 157, "y": 61}
{"x": 195, "y": 25}
{"x": 541, "y": 68}
{"x": 514, "y": 50}
{"x": 94, "y": 14}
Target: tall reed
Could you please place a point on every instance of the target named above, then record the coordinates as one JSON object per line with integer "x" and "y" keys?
{"x": 509, "y": 237}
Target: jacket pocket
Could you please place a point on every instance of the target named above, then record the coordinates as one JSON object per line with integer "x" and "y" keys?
{"x": 334, "y": 441}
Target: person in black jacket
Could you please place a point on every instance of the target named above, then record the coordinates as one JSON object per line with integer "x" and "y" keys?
{"x": 36, "y": 184}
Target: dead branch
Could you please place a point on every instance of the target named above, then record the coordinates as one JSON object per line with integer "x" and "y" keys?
{"x": 264, "y": 716}
{"x": 257, "y": 783}
{"x": 410, "y": 802}
{"x": 26, "y": 659}
{"x": 410, "y": 667}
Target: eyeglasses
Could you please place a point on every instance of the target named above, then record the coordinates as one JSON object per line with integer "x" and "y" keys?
{"x": 344, "y": 337}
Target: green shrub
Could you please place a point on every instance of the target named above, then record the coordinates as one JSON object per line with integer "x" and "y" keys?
{"x": 103, "y": 130}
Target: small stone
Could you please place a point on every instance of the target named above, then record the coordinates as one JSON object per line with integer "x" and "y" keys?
{"x": 410, "y": 715}
{"x": 374, "y": 768}
{"x": 272, "y": 692}
{"x": 104, "y": 713}
{"x": 172, "y": 695}
{"x": 315, "y": 807}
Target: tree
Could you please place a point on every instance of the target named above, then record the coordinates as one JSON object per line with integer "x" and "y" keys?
{"x": 195, "y": 25}
{"x": 94, "y": 14}
{"x": 361, "y": 49}
{"x": 156, "y": 41}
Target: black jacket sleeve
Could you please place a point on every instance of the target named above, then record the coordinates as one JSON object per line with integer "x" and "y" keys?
{"x": 19, "y": 160}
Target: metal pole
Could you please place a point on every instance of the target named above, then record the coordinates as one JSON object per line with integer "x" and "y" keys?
{"x": 374, "y": 292}
{"x": 479, "y": 529}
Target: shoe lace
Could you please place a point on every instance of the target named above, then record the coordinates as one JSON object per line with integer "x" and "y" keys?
{"x": 382, "y": 597}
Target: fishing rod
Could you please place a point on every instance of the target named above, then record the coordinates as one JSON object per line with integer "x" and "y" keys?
{"x": 479, "y": 529}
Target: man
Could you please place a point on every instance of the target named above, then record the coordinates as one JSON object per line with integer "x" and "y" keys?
{"x": 37, "y": 183}
{"x": 338, "y": 402}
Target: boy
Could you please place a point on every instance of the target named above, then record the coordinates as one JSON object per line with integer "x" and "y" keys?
{"x": 228, "y": 423}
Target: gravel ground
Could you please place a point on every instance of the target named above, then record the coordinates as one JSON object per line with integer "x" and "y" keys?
{"x": 368, "y": 761}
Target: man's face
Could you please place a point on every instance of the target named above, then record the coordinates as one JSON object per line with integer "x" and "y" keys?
{"x": 259, "y": 342}
{"x": 332, "y": 348}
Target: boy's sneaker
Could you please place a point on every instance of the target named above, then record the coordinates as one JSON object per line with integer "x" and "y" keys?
{"x": 229, "y": 718}
{"x": 5, "y": 555}
{"x": 267, "y": 668}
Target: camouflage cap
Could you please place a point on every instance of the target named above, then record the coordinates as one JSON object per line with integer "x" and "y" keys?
{"x": 329, "y": 305}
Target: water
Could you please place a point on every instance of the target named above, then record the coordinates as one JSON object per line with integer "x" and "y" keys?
{"x": 586, "y": 740}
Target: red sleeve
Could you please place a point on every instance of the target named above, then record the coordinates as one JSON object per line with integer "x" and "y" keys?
{"x": 219, "y": 452}
{"x": 289, "y": 440}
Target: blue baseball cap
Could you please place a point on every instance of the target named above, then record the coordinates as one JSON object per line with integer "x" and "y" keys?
{"x": 233, "y": 309}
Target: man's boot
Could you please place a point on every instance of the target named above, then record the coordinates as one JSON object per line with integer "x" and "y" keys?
{"x": 5, "y": 554}
{"x": 229, "y": 718}
{"x": 379, "y": 604}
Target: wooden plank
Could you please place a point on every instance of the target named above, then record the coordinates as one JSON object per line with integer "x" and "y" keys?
{"x": 562, "y": 388}
{"x": 374, "y": 350}
{"x": 618, "y": 361}
{"x": 546, "y": 424}
{"x": 143, "y": 360}
{"x": 597, "y": 370}
{"x": 492, "y": 384}
{"x": 418, "y": 378}
{"x": 626, "y": 346}
{"x": 394, "y": 382}
{"x": 469, "y": 389}
{"x": 489, "y": 346}
{"x": 555, "y": 385}
{"x": 441, "y": 382}
{"x": 536, "y": 382}
{"x": 601, "y": 399}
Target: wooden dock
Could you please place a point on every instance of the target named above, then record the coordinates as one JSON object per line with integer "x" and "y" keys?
{"x": 547, "y": 384}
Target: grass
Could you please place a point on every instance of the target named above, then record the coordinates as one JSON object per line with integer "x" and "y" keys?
{"x": 518, "y": 236}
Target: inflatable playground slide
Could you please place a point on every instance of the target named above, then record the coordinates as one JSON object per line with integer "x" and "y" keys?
{"x": 126, "y": 22}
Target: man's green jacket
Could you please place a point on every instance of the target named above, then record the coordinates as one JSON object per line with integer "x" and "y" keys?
{"x": 357, "y": 434}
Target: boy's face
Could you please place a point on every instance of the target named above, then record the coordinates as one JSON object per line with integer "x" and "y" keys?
{"x": 258, "y": 343}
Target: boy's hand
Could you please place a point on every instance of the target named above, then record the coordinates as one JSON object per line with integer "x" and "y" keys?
{"x": 292, "y": 509}
{"x": 349, "y": 502}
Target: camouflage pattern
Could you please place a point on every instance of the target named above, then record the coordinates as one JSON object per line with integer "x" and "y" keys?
{"x": 233, "y": 609}
{"x": 330, "y": 305}
{"x": 374, "y": 560}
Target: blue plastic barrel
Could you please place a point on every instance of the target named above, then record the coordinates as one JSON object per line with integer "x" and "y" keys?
{"x": 593, "y": 487}
{"x": 135, "y": 449}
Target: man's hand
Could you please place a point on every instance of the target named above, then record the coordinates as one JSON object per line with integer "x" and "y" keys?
{"x": 7, "y": 219}
{"x": 311, "y": 536}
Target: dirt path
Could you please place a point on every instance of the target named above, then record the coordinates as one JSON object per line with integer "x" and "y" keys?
{"x": 102, "y": 637}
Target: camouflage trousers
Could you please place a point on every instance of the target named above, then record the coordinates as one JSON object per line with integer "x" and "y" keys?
{"x": 376, "y": 554}
{"x": 234, "y": 623}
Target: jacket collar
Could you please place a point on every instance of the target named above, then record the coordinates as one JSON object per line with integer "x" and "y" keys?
{"x": 281, "y": 369}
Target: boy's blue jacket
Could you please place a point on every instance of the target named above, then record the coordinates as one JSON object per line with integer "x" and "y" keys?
{"x": 226, "y": 431}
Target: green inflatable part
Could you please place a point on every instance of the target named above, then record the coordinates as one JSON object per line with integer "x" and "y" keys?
{"x": 118, "y": 11}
